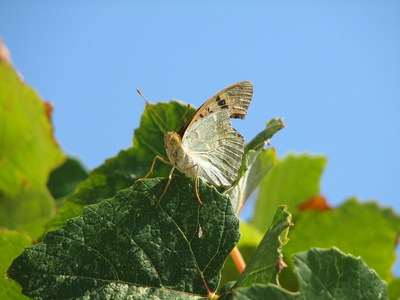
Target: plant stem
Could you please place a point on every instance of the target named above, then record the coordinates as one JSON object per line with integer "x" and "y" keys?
{"x": 238, "y": 259}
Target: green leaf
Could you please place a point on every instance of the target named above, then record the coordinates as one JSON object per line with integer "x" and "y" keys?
{"x": 261, "y": 139}
{"x": 263, "y": 263}
{"x": 324, "y": 274}
{"x": 251, "y": 237}
{"x": 350, "y": 227}
{"x": 394, "y": 289}
{"x": 248, "y": 243}
{"x": 11, "y": 245}
{"x": 148, "y": 139}
{"x": 126, "y": 244}
{"x": 121, "y": 171}
{"x": 28, "y": 153}
{"x": 263, "y": 266}
{"x": 65, "y": 179}
{"x": 261, "y": 291}
{"x": 256, "y": 164}
{"x": 292, "y": 181}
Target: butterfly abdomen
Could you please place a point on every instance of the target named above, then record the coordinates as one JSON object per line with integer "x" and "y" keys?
{"x": 178, "y": 155}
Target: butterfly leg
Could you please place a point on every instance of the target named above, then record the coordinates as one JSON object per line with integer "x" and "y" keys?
{"x": 166, "y": 188}
{"x": 195, "y": 181}
{"x": 152, "y": 167}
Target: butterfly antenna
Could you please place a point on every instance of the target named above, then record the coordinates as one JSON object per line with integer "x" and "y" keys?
{"x": 140, "y": 93}
{"x": 187, "y": 109}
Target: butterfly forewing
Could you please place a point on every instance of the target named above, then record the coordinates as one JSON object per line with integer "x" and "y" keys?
{"x": 236, "y": 98}
{"x": 216, "y": 147}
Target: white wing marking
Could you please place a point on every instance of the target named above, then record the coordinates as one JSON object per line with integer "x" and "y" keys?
{"x": 216, "y": 147}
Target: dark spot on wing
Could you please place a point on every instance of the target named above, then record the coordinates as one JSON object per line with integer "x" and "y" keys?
{"x": 201, "y": 116}
{"x": 225, "y": 106}
{"x": 238, "y": 116}
{"x": 217, "y": 99}
{"x": 221, "y": 102}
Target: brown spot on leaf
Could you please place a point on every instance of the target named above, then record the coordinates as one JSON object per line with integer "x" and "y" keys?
{"x": 4, "y": 53}
{"x": 281, "y": 265}
{"x": 317, "y": 202}
{"x": 48, "y": 109}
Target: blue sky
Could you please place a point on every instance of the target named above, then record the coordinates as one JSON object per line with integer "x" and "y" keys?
{"x": 331, "y": 69}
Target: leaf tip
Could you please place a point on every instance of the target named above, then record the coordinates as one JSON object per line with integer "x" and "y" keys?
{"x": 283, "y": 124}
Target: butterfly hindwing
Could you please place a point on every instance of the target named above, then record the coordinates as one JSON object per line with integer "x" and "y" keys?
{"x": 216, "y": 147}
{"x": 236, "y": 98}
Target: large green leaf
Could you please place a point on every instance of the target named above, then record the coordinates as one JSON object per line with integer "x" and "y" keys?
{"x": 350, "y": 227}
{"x": 291, "y": 182}
{"x": 125, "y": 245}
{"x": 11, "y": 245}
{"x": 324, "y": 274}
{"x": 28, "y": 153}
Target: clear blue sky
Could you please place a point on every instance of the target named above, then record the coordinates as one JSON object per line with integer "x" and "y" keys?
{"x": 331, "y": 69}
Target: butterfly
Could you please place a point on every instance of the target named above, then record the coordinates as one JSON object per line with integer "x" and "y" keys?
{"x": 207, "y": 146}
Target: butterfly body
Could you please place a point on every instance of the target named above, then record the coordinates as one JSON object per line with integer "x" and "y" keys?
{"x": 177, "y": 154}
{"x": 207, "y": 146}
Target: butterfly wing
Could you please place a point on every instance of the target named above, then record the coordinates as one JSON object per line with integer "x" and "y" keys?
{"x": 236, "y": 98}
{"x": 216, "y": 147}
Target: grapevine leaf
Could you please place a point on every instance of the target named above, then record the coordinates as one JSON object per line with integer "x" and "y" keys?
{"x": 291, "y": 182}
{"x": 28, "y": 153}
{"x": 11, "y": 245}
{"x": 323, "y": 274}
{"x": 125, "y": 244}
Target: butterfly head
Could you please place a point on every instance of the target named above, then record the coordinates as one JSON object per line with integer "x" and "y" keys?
{"x": 174, "y": 147}
{"x": 172, "y": 139}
